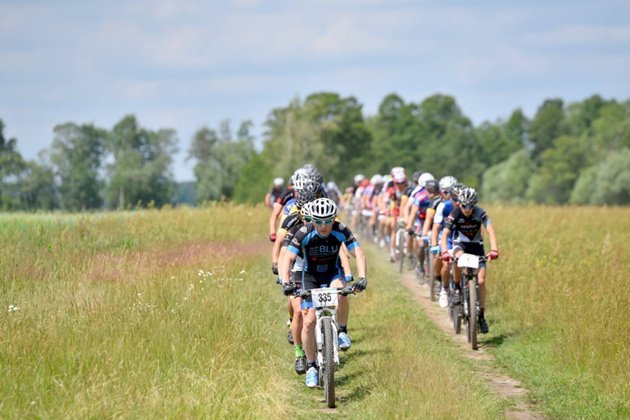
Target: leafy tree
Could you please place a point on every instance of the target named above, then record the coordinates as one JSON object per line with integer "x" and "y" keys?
{"x": 77, "y": 153}
{"x": 141, "y": 171}
{"x": 612, "y": 185}
{"x": 548, "y": 124}
{"x": 220, "y": 159}
{"x": 507, "y": 181}
{"x": 584, "y": 187}
{"x": 38, "y": 187}
{"x": 255, "y": 181}
{"x": 499, "y": 141}
{"x": 11, "y": 166}
{"x": 561, "y": 165}
{"x": 449, "y": 146}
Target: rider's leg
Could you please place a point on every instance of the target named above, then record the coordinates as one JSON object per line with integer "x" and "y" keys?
{"x": 481, "y": 277}
{"x": 343, "y": 309}
{"x": 308, "y": 336}
{"x": 296, "y": 323}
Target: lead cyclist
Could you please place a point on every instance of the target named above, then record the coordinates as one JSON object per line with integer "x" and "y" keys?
{"x": 319, "y": 243}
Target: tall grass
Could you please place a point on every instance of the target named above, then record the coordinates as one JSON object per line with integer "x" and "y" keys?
{"x": 175, "y": 314}
{"x": 558, "y": 294}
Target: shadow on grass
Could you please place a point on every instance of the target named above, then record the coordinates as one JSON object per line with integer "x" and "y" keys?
{"x": 496, "y": 341}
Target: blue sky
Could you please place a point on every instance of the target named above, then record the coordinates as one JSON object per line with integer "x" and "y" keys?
{"x": 185, "y": 64}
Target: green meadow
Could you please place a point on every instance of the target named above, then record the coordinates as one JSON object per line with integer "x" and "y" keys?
{"x": 175, "y": 313}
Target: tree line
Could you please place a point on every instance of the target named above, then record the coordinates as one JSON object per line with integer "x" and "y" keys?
{"x": 576, "y": 153}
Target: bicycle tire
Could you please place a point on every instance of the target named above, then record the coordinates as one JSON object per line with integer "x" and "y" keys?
{"x": 456, "y": 317}
{"x": 472, "y": 322}
{"x": 329, "y": 362}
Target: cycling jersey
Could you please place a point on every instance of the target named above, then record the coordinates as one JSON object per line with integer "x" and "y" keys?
{"x": 441, "y": 213}
{"x": 291, "y": 225}
{"x": 321, "y": 254}
{"x": 467, "y": 229}
{"x": 422, "y": 201}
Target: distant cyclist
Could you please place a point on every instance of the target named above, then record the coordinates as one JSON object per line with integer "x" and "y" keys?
{"x": 319, "y": 243}
{"x": 275, "y": 193}
{"x": 466, "y": 221}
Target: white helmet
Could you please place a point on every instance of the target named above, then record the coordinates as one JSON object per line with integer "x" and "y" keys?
{"x": 422, "y": 181}
{"x": 358, "y": 178}
{"x": 376, "y": 179}
{"x": 446, "y": 183}
{"x": 323, "y": 208}
{"x": 278, "y": 182}
{"x": 305, "y": 211}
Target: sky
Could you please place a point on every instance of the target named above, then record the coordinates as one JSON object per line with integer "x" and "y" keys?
{"x": 187, "y": 64}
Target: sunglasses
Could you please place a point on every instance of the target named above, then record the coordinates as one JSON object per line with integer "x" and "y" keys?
{"x": 321, "y": 222}
{"x": 468, "y": 206}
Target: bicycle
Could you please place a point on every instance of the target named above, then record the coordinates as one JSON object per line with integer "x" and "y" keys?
{"x": 326, "y": 334}
{"x": 469, "y": 287}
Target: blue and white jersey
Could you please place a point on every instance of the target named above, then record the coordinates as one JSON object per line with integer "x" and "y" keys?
{"x": 321, "y": 254}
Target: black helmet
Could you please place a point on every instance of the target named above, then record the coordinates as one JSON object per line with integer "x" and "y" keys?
{"x": 432, "y": 186}
{"x": 304, "y": 196}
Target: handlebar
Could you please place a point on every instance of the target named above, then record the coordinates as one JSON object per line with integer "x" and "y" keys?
{"x": 344, "y": 291}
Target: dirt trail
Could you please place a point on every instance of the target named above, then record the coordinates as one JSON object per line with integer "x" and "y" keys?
{"x": 503, "y": 385}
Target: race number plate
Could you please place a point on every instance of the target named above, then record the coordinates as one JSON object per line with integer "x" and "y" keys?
{"x": 324, "y": 297}
{"x": 468, "y": 260}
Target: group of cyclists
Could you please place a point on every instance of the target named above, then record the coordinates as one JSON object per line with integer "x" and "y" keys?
{"x": 310, "y": 250}
{"x": 311, "y": 247}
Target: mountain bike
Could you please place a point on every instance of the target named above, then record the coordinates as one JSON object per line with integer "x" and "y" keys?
{"x": 325, "y": 301}
{"x": 469, "y": 286}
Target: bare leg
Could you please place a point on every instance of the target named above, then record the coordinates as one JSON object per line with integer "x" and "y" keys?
{"x": 308, "y": 337}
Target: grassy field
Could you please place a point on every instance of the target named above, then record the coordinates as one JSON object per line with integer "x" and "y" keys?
{"x": 175, "y": 313}
{"x": 558, "y": 309}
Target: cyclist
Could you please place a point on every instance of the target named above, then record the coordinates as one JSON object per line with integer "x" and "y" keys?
{"x": 443, "y": 209}
{"x": 419, "y": 202}
{"x": 276, "y": 191}
{"x": 390, "y": 203}
{"x": 291, "y": 225}
{"x": 466, "y": 221}
{"x": 319, "y": 243}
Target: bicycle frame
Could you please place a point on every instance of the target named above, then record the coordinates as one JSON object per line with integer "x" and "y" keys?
{"x": 470, "y": 268}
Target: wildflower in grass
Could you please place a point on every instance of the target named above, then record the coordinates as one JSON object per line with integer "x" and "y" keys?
{"x": 14, "y": 308}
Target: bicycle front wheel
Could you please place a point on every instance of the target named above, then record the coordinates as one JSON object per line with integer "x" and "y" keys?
{"x": 329, "y": 362}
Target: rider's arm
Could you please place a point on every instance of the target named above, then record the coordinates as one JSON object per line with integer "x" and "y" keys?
{"x": 428, "y": 221}
{"x": 445, "y": 234}
{"x": 411, "y": 216}
{"x": 273, "y": 219}
{"x": 358, "y": 253}
{"x": 345, "y": 260}
{"x": 435, "y": 230}
{"x": 492, "y": 236}
{"x": 287, "y": 261}
{"x": 275, "y": 251}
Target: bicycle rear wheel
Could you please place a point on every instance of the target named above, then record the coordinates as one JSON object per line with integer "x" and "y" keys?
{"x": 472, "y": 322}
{"x": 329, "y": 362}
